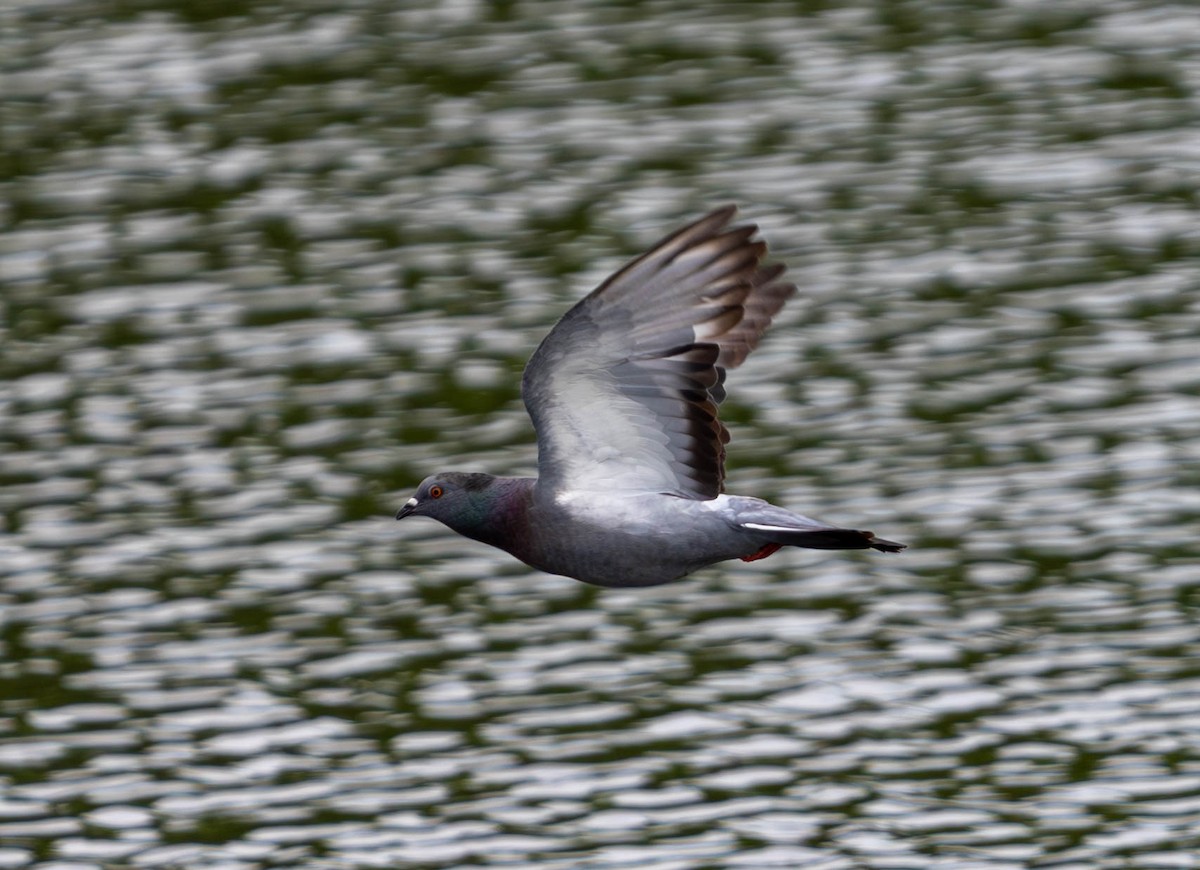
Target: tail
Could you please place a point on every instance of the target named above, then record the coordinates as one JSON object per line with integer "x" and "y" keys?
{"x": 829, "y": 538}
{"x": 840, "y": 539}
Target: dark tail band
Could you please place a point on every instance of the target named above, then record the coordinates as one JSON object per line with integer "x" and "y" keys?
{"x": 837, "y": 539}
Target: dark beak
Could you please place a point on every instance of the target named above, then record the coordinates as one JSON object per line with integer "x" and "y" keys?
{"x": 409, "y": 507}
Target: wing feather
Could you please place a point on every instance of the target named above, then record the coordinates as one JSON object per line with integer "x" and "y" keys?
{"x": 624, "y": 391}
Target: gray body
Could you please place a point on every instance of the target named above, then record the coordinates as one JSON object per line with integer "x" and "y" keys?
{"x": 608, "y": 540}
{"x": 624, "y": 393}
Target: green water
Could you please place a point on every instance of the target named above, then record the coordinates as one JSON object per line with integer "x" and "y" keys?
{"x": 265, "y": 266}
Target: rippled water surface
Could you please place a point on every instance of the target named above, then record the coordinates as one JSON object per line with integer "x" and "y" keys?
{"x": 264, "y": 266}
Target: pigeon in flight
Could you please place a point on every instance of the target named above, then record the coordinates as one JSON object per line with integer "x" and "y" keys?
{"x": 623, "y": 393}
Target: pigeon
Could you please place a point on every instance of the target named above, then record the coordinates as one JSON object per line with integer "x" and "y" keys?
{"x": 623, "y": 393}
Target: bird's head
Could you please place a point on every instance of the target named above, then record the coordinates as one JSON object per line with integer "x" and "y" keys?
{"x": 457, "y": 499}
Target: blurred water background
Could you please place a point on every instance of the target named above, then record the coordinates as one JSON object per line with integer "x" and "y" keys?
{"x": 264, "y": 265}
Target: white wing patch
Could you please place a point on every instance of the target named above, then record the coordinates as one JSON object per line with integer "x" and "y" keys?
{"x": 762, "y": 527}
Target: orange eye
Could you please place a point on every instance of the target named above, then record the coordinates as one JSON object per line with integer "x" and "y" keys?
{"x": 435, "y": 491}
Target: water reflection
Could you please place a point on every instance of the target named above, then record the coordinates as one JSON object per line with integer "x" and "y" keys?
{"x": 262, "y": 270}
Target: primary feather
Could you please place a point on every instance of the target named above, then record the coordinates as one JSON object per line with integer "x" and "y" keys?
{"x": 624, "y": 391}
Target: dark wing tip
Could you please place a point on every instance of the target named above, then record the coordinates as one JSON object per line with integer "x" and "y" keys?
{"x": 706, "y": 226}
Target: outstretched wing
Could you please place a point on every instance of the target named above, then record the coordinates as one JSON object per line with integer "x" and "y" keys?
{"x": 624, "y": 390}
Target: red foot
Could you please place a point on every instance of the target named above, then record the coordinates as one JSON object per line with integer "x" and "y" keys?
{"x": 767, "y": 550}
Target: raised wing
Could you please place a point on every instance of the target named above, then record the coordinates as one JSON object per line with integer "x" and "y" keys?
{"x": 624, "y": 390}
